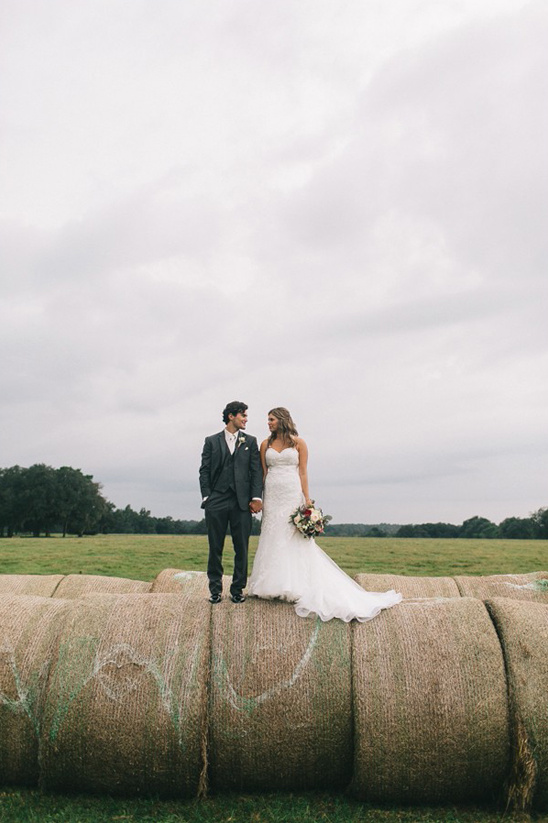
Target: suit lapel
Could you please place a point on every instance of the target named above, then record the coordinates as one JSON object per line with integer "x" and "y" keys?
{"x": 224, "y": 451}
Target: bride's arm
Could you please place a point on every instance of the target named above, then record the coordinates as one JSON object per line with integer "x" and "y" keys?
{"x": 264, "y": 446}
{"x": 303, "y": 471}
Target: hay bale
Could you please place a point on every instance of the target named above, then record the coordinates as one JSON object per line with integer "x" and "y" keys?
{"x": 28, "y": 631}
{"x": 532, "y": 586}
{"x": 126, "y": 704}
{"x": 523, "y": 631}
{"x": 280, "y": 702}
{"x": 40, "y": 585}
{"x": 430, "y": 704}
{"x": 412, "y": 588}
{"x": 77, "y": 585}
{"x": 173, "y": 581}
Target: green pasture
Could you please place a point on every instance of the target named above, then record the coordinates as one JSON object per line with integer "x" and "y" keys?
{"x": 142, "y": 557}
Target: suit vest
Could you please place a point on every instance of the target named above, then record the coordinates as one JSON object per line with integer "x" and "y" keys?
{"x": 226, "y": 478}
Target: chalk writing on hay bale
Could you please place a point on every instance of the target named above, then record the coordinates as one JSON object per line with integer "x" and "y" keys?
{"x": 173, "y": 581}
{"x": 532, "y": 586}
{"x": 440, "y": 699}
{"x": 126, "y": 706}
{"x": 29, "y": 629}
{"x": 280, "y": 706}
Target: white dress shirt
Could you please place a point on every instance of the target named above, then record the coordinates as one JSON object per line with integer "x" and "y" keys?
{"x": 231, "y": 440}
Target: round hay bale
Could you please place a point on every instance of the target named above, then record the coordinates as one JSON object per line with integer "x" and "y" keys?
{"x": 532, "y": 586}
{"x": 28, "y": 632}
{"x": 173, "y": 581}
{"x": 126, "y": 704}
{"x": 77, "y": 585}
{"x": 280, "y": 702}
{"x": 430, "y": 704}
{"x": 40, "y": 585}
{"x": 523, "y": 630}
{"x": 412, "y": 588}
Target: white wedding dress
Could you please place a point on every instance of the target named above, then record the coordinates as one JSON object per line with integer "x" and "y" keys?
{"x": 291, "y": 567}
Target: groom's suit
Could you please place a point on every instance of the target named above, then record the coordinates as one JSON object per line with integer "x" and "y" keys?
{"x": 228, "y": 482}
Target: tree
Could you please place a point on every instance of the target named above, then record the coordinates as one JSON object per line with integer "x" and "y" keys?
{"x": 517, "y": 528}
{"x": 38, "y": 499}
{"x": 540, "y": 519}
{"x": 79, "y": 502}
{"x": 406, "y": 531}
{"x": 478, "y": 527}
{"x": 374, "y": 531}
{"x": 11, "y": 513}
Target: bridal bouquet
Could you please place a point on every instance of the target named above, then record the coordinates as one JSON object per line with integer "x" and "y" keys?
{"x": 309, "y": 520}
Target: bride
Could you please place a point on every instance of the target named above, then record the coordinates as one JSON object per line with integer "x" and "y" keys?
{"x": 291, "y": 567}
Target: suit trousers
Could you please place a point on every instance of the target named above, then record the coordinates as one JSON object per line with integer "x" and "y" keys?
{"x": 221, "y": 508}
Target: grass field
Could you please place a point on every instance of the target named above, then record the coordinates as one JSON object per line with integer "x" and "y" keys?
{"x": 142, "y": 557}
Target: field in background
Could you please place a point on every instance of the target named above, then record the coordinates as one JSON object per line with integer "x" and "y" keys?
{"x": 142, "y": 557}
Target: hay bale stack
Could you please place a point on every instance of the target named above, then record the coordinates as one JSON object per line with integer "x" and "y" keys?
{"x": 28, "y": 631}
{"x": 127, "y": 697}
{"x": 39, "y": 585}
{"x": 280, "y": 702}
{"x": 430, "y": 704}
{"x": 78, "y": 585}
{"x": 412, "y": 588}
{"x": 532, "y": 586}
{"x": 173, "y": 581}
{"x": 523, "y": 630}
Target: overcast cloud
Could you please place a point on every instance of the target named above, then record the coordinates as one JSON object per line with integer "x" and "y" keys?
{"x": 339, "y": 207}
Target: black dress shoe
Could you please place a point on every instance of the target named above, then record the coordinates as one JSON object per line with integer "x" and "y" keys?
{"x": 215, "y": 598}
{"x": 237, "y": 598}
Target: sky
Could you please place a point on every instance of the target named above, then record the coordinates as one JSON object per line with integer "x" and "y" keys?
{"x": 335, "y": 206}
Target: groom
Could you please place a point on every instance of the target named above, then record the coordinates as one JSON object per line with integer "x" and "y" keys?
{"x": 231, "y": 481}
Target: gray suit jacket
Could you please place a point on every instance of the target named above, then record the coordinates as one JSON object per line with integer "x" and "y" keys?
{"x": 248, "y": 472}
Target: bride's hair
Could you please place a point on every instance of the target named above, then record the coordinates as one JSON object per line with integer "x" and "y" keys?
{"x": 286, "y": 430}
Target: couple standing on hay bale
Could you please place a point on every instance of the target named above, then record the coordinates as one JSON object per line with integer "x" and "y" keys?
{"x": 233, "y": 473}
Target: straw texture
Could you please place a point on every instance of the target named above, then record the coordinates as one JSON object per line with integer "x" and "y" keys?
{"x": 412, "y": 588}
{"x": 40, "y": 585}
{"x": 175, "y": 581}
{"x": 127, "y": 697}
{"x": 532, "y": 586}
{"x": 430, "y": 704}
{"x": 442, "y": 699}
{"x": 280, "y": 700}
{"x": 77, "y": 585}
{"x": 523, "y": 630}
{"x": 28, "y": 632}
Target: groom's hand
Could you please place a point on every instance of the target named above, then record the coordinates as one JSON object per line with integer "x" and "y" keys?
{"x": 255, "y": 506}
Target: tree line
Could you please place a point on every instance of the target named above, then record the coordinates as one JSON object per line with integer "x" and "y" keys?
{"x": 534, "y": 527}
{"x": 43, "y": 500}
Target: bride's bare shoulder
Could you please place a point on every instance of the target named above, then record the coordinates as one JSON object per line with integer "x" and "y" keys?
{"x": 264, "y": 444}
{"x": 299, "y": 442}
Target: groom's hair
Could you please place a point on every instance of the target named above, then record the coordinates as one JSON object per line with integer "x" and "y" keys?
{"x": 233, "y": 408}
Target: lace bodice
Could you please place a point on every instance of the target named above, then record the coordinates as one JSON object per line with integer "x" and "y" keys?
{"x": 283, "y": 459}
{"x": 282, "y": 488}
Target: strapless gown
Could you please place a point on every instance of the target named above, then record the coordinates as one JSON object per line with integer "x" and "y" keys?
{"x": 294, "y": 568}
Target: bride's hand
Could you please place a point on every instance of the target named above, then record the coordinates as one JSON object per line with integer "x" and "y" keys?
{"x": 309, "y": 503}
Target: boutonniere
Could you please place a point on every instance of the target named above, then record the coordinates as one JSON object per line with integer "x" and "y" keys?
{"x": 241, "y": 439}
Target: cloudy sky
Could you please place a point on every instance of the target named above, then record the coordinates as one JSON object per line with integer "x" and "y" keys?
{"x": 337, "y": 206}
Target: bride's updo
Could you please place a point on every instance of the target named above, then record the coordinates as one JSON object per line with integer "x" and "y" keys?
{"x": 286, "y": 430}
